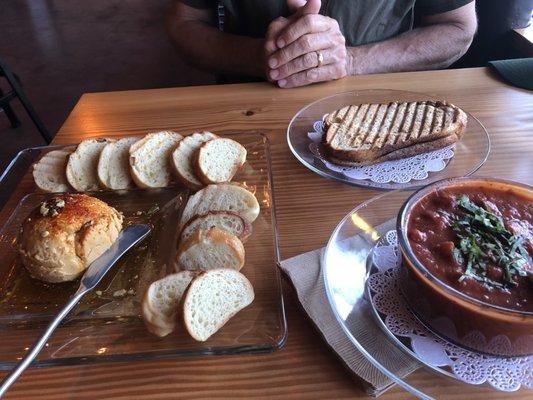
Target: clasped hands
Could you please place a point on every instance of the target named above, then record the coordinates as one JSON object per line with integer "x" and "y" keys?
{"x": 305, "y": 48}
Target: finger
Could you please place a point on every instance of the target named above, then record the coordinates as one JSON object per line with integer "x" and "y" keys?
{"x": 295, "y": 5}
{"x": 302, "y": 7}
{"x": 310, "y": 7}
{"x": 272, "y": 33}
{"x": 305, "y": 44}
{"x": 324, "y": 73}
{"x": 310, "y": 23}
{"x": 302, "y": 63}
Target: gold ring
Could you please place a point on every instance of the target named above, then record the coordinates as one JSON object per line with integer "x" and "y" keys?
{"x": 320, "y": 58}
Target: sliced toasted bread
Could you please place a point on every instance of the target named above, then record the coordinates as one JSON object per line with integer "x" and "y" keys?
{"x": 161, "y": 300}
{"x": 221, "y": 197}
{"x": 150, "y": 159}
{"x": 212, "y": 299}
{"x": 183, "y": 158}
{"x": 49, "y": 172}
{"x": 82, "y": 165}
{"x": 367, "y": 133}
{"x": 219, "y": 160}
{"x": 114, "y": 166}
{"x": 226, "y": 220}
{"x": 210, "y": 249}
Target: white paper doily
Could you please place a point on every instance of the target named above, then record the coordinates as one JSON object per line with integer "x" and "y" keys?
{"x": 505, "y": 374}
{"x": 397, "y": 171}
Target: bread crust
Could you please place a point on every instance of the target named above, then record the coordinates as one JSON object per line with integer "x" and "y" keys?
{"x": 410, "y": 147}
{"x": 58, "y": 243}
{"x": 410, "y": 151}
{"x": 205, "y": 198}
{"x": 212, "y": 237}
{"x": 101, "y": 167}
{"x": 70, "y": 170}
{"x": 59, "y": 178}
{"x": 188, "y": 293}
{"x": 158, "y": 323}
{"x": 176, "y": 168}
{"x": 247, "y": 231}
{"x": 203, "y": 176}
{"x": 137, "y": 177}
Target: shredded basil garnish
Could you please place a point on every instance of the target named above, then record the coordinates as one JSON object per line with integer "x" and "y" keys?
{"x": 484, "y": 241}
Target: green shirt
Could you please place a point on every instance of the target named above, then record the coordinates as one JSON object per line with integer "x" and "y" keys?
{"x": 361, "y": 21}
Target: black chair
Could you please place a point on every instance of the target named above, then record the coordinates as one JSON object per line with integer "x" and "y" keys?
{"x": 17, "y": 92}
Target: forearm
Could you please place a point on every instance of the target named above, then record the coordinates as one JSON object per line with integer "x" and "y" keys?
{"x": 205, "y": 47}
{"x": 430, "y": 47}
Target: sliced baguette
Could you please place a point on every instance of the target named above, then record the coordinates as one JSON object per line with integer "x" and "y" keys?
{"x": 150, "y": 159}
{"x": 219, "y": 160}
{"x": 212, "y": 299}
{"x": 161, "y": 301}
{"x": 49, "y": 172}
{"x": 226, "y": 220}
{"x": 221, "y": 197}
{"x": 183, "y": 158}
{"x": 210, "y": 249}
{"x": 82, "y": 165}
{"x": 113, "y": 165}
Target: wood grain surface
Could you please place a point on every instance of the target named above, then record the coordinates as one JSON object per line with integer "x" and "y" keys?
{"x": 308, "y": 208}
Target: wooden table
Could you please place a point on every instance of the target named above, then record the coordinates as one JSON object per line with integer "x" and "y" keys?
{"x": 308, "y": 208}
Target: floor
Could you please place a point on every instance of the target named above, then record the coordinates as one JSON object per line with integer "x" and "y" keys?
{"x": 61, "y": 49}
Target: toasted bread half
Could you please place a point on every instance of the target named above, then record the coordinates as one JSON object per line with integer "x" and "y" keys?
{"x": 161, "y": 301}
{"x": 114, "y": 166}
{"x": 183, "y": 158}
{"x": 368, "y": 133}
{"x": 210, "y": 249}
{"x": 82, "y": 165}
{"x": 212, "y": 299}
{"x": 221, "y": 197}
{"x": 219, "y": 160}
{"x": 49, "y": 172}
{"x": 226, "y": 220}
{"x": 150, "y": 159}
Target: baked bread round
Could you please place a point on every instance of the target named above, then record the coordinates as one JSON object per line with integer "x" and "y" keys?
{"x": 65, "y": 234}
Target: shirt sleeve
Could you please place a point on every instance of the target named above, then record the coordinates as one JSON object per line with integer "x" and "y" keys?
{"x": 199, "y": 3}
{"x": 430, "y": 7}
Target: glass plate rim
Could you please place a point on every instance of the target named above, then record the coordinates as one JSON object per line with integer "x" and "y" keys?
{"x": 259, "y": 348}
{"x": 329, "y": 294}
{"x": 387, "y": 186}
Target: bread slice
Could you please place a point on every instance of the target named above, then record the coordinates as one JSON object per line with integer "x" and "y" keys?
{"x": 219, "y": 160}
{"x": 114, "y": 166}
{"x": 150, "y": 159}
{"x": 49, "y": 172}
{"x": 212, "y": 299}
{"x": 82, "y": 165}
{"x": 226, "y": 220}
{"x": 210, "y": 249}
{"x": 410, "y": 151}
{"x": 221, "y": 197}
{"x": 161, "y": 301}
{"x": 367, "y": 133}
{"x": 183, "y": 158}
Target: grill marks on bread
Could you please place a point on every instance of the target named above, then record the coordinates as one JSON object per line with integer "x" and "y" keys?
{"x": 365, "y": 132}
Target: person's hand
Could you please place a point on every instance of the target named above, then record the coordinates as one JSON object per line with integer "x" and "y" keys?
{"x": 296, "y": 62}
{"x": 298, "y": 8}
{"x": 270, "y": 47}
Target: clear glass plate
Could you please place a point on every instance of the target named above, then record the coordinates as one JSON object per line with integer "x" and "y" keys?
{"x": 346, "y": 267}
{"x": 107, "y": 325}
{"x": 471, "y": 151}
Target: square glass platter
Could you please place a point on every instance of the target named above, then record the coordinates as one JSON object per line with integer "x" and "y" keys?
{"x": 107, "y": 325}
